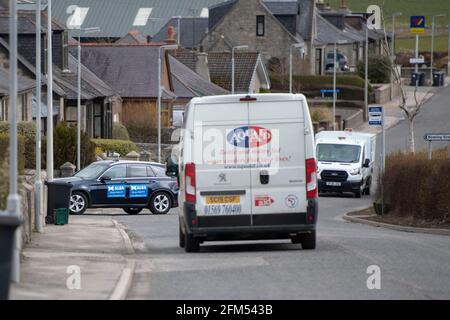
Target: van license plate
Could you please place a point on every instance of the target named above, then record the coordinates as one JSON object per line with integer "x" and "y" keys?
{"x": 334, "y": 184}
{"x": 223, "y": 199}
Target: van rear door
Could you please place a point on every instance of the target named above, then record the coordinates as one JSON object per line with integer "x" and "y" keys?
{"x": 222, "y": 177}
{"x": 284, "y": 189}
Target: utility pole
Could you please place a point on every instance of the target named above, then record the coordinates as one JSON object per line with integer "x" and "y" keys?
{"x": 394, "y": 15}
{"x": 295, "y": 45}
{"x": 38, "y": 181}
{"x": 49, "y": 93}
{"x": 432, "y": 44}
{"x": 166, "y": 47}
{"x": 334, "y": 86}
{"x": 366, "y": 77}
{"x": 79, "y": 105}
{"x": 13, "y": 197}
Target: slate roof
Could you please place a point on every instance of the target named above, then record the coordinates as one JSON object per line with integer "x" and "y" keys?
{"x": 115, "y": 17}
{"x": 327, "y": 33}
{"x": 91, "y": 86}
{"x": 26, "y": 22}
{"x": 219, "y": 64}
{"x": 188, "y": 84}
{"x": 23, "y": 83}
{"x": 131, "y": 70}
{"x": 192, "y": 31}
{"x": 282, "y": 7}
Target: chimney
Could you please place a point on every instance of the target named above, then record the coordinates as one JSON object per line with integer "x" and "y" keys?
{"x": 344, "y": 6}
{"x": 201, "y": 65}
{"x": 170, "y": 39}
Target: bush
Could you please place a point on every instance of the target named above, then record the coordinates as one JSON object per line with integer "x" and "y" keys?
{"x": 4, "y": 150}
{"x": 379, "y": 69}
{"x": 120, "y": 132}
{"x": 28, "y": 131}
{"x": 327, "y": 80}
{"x": 122, "y": 147}
{"x": 65, "y": 146}
{"x": 429, "y": 200}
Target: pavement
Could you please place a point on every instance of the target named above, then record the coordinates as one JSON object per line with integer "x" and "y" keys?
{"x": 394, "y": 115}
{"x": 95, "y": 248}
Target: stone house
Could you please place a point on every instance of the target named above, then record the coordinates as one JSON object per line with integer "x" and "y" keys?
{"x": 268, "y": 27}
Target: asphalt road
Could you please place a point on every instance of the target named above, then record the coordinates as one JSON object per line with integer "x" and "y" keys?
{"x": 412, "y": 265}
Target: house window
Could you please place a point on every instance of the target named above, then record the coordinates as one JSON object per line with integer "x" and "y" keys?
{"x": 65, "y": 51}
{"x": 24, "y": 101}
{"x": 98, "y": 121}
{"x": 4, "y": 110}
{"x": 260, "y": 26}
{"x": 70, "y": 114}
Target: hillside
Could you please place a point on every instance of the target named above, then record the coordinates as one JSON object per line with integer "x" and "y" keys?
{"x": 407, "y": 7}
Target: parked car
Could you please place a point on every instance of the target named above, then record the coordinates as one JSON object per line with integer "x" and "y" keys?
{"x": 258, "y": 181}
{"x": 345, "y": 161}
{"x": 340, "y": 57}
{"x": 129, "y": 185}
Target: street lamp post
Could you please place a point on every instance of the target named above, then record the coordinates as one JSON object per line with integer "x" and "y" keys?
{"x": 13, "y": 197}
{"x": 86, "y": 30}
{"x": 166, "y": 47}
{"x": 233, "y": 63}
{"x": 295, "y": 45}
{"x": 448, "y": 55}
{"x": 366, "y": 76}
{"x": 49, "y": 93}
{"x": 38, "y": 182}
{"x": 432, "y": 44}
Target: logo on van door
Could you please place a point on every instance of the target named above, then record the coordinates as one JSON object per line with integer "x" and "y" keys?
{"x": 249, "y": 137}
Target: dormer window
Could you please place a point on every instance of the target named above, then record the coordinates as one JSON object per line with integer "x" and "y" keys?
{"x": 142, "y": 17}
{"x": 260, "y": 26}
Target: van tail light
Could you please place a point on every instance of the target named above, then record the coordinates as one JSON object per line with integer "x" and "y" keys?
{"x": 190, "y": 189}
{"x": 311, "y": 179}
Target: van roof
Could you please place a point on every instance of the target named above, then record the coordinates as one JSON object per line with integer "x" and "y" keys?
{"x": 265, "y": 97}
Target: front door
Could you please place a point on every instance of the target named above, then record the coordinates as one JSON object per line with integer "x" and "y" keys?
{"x": 111, "y": 190}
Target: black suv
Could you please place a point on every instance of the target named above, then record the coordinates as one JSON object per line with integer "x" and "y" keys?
{"x": 129, "y": 185}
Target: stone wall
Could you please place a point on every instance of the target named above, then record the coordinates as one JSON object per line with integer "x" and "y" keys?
{"x": 239, "y": 28}
{"x": 28, "y": 204}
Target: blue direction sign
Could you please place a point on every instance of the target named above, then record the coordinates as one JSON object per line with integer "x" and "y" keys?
{"x": 329, "y": 90}
{"x": 376, "y": 116}
{"x": 417, "y": 24}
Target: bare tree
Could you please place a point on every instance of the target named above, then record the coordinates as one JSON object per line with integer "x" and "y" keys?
{"x": 411, "y": 111}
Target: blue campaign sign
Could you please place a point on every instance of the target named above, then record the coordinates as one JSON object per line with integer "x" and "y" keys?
{"x": 417, "y": 24}
{"x": 138, "y": 191}
{"x": 329, "y": 90}
{"x": 116, "y": 191}
{"x": 376, "y": 116}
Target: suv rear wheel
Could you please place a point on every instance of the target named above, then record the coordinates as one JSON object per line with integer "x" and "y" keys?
{"x": 160, "y": 203}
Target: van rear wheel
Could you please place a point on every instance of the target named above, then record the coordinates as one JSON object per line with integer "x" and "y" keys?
{"x": 308, "y": 240}
{"x": 190, "y": 243}
{"x": 182, "y": 239}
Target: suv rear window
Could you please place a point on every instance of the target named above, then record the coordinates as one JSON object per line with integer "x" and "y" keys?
{"x": 159, "y": 171}
{"x": 136, "y": 171}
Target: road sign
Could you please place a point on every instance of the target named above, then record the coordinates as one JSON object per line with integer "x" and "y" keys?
{"x": 417, "y": 24}
{"x": 437, "y": 137}
{"x": 376, "y": 116}
{"x": 416, "y": 60}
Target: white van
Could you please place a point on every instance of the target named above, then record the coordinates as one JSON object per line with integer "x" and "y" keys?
{"x": 247, "y": 170}
{"x": 345, "y": 161}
